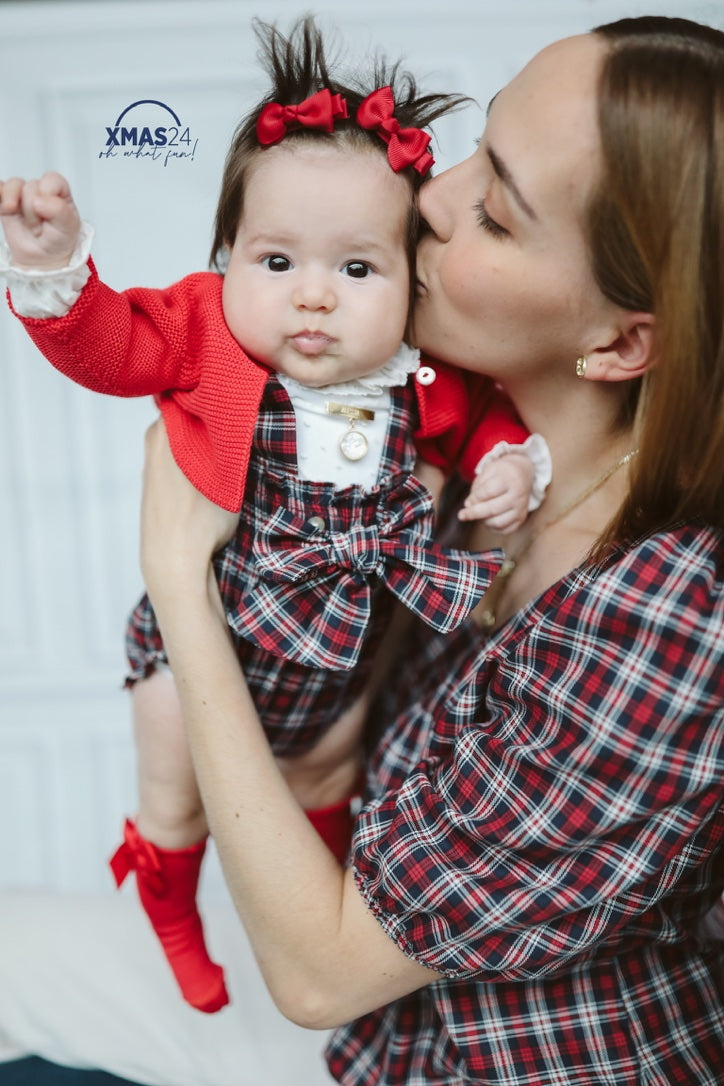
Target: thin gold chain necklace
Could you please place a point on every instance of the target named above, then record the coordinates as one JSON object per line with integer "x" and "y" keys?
{"x": 510, "y": 563}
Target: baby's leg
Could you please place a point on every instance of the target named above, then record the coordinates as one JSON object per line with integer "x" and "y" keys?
{"x": 170, "y": 812}
{"x": 166, "y": 845}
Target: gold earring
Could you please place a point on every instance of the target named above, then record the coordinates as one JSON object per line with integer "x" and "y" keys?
{"x": 581, "y": 364}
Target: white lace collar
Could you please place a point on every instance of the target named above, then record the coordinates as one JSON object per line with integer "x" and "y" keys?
{"x": 394, "y": 372}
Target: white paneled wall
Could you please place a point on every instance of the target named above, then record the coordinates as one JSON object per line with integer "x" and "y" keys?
{"x": 70, "y": 461}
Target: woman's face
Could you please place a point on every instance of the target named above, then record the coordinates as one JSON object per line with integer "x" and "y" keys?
{"x": 505, "y": 283}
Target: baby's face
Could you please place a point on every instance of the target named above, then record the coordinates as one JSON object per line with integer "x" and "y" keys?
{"x": 317, "y": 284}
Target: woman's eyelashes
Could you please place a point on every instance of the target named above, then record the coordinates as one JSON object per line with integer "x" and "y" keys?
{"x": 490, "y": 225}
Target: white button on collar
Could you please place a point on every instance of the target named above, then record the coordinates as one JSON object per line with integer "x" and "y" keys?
{"x": 425, "y": 375}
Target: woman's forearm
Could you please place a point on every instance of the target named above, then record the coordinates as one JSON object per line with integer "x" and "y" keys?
{"x": 323, "y": 955}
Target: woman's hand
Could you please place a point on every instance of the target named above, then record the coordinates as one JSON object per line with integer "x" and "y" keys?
{"x": 180, "y": 528}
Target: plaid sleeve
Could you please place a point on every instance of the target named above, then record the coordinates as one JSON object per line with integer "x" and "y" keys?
{"x": 575, "y": 776}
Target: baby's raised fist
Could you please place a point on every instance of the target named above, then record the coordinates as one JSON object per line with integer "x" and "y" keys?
{"x": 40, "y": 221}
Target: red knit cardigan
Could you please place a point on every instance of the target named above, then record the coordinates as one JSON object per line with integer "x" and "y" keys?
{"x": 174, "y": 344}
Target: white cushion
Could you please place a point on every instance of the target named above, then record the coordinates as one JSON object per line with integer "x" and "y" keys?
{"x": 83, "y": 983}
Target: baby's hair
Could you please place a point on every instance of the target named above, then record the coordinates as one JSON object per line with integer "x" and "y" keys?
{"x": 298, "y": 66}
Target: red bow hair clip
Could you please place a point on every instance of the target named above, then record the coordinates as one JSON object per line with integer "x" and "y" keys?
{"x": 405, "y": 146}
{"x": 319, "y": 111}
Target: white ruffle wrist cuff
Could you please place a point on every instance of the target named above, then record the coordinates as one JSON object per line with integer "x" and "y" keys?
{"x": 39, "y": 293}
{"x": 536, "y": 449}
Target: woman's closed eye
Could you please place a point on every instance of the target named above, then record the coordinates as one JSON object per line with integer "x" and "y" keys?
{"x": 277, "y": 262}
{"x": 490, "y": 225}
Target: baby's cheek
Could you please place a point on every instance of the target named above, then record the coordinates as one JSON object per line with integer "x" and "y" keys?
{"x": 248, "y": 333}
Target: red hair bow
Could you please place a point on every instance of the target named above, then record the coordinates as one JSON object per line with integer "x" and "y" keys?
{"x": 405, "y": 146}
{"x": 319, "y": 111}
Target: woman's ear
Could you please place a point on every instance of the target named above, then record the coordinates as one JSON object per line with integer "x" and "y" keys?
{"x": 630, "y": 354}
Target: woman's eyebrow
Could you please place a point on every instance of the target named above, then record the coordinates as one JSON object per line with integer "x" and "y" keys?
{"x": 502, "y": 171}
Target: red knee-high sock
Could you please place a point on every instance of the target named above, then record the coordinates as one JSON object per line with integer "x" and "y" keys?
{"x": 334, "y": 824}
{"x": 167, "y": 880}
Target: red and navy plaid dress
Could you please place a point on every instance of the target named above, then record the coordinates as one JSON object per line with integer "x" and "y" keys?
{"x": 304, "y": 580}
{"x": 545, "y": 828}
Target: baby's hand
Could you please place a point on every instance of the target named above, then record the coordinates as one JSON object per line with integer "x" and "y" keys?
{"x": 40, "y": 221}
{"x": 500, "y": 493}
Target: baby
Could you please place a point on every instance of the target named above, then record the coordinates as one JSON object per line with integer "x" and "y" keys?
{"x": 288, "y": 392}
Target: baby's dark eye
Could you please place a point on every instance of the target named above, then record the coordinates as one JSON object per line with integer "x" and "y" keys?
{"x": 357, "y": 269}
{"x": 277, "y": 263}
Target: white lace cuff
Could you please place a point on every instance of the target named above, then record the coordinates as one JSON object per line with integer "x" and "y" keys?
{"x": 536, "y": 449}
{"x": 39, "y": 293}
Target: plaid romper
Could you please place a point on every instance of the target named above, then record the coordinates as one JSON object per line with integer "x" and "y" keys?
{"x": 306, "y": 641}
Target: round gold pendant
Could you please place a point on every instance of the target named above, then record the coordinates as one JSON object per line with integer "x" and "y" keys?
{"x": 353, "y": 445}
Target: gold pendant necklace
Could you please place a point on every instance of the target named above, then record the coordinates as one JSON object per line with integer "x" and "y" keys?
{"x": 510, "y": 563}
{"x": 352, "y": 444}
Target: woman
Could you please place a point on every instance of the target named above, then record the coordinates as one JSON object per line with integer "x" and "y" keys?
{"x": 546, "y": 808}
{"x": 544, "y": 821}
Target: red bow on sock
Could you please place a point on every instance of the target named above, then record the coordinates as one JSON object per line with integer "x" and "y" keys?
{"x": 405, "y": 146}
{"x": 138, "y": 854}
{"x": 319, "y": 111}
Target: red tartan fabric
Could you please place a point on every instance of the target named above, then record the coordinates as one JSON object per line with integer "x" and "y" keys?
{"x": 558, "y": 839}
{"x": 301, "y": 580}
{"x": 307, "y": 647}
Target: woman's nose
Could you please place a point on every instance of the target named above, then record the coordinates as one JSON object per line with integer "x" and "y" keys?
{"x": 436, "y": 204}
{"x": 315, "y": 293}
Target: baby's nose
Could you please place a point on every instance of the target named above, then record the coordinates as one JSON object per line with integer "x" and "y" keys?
{"x": 314, "y": 293}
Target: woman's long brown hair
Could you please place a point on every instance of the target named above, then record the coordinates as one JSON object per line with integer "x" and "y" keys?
{"x": 656, "y": 232}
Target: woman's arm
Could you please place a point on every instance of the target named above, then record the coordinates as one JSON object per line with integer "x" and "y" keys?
{"x": 323, "y": 955}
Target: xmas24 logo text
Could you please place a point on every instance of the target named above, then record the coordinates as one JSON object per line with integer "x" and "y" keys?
{"x": 146, "y": 139}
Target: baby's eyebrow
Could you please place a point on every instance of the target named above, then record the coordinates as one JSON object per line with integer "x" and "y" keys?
{"x": 363, "y": 244}
{"x": 266, "y": 237}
